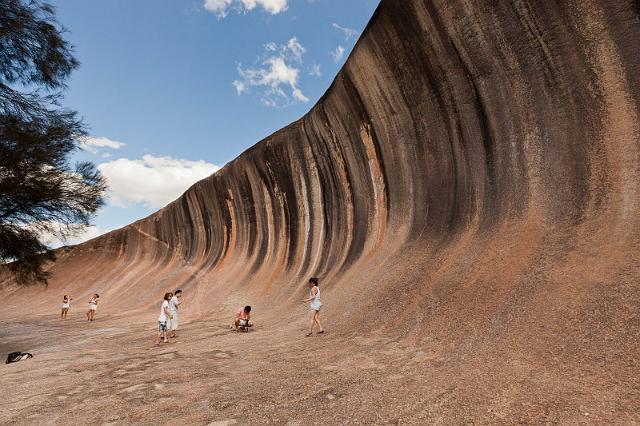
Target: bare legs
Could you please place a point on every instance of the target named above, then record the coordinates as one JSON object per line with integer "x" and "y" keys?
{"x": 90, "y": 314}
{"x": 63, "y": 314}
{"x": 162, "y": 335}
{"x": 315, "y": 319}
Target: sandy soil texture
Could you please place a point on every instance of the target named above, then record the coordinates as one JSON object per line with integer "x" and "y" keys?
{"x": 110, "y": 372}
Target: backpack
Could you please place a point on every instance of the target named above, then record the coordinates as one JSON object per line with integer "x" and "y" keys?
{"x": 18, "y": 356}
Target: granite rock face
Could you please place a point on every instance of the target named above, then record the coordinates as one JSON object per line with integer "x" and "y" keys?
{"x": 473, "y": 173}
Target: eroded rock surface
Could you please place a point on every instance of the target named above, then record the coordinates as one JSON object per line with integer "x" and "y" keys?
{"x": 469, "y": 185}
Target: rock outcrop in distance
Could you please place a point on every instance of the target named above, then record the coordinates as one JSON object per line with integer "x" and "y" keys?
{"x": 470, "y": 177}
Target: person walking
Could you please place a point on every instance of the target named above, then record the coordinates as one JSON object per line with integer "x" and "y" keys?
{"x": 163, "y": 319}
{"x": 173, "y": 308}
{"x": 315, "y": 306}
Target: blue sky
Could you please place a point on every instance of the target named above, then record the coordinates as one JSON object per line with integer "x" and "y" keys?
{"x": 173, "y": 89}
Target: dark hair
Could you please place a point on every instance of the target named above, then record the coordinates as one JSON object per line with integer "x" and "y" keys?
{"x": 177, "y": 291}
{"x": 313, "y": 280}
{"x": 247, "y": 308}
{"x": 97, "y": 297}
{"x": 167, "y": 296}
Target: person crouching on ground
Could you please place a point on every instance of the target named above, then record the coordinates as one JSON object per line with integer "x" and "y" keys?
{"x": 243, "y": 319}
{"x": 93, "y": 307}
{"x": 315, "y": 306}
{"x": 173, "y": 308}
{"x": 163, "y": 319}
{"x": 66, "y": 304}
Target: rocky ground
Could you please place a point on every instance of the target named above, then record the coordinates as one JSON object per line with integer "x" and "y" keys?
{"x": 110, "y": 372}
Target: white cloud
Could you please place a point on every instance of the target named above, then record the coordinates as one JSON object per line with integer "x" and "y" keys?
{"x": 274, "y": 74}
{"x": 296, "y": 49}
{"x": 240, "y": 87}
{"x": 86, "y": 235}
{"x": 152, "y": 181}
{"x": 75, "y": 234}
{"x": 93, "y": 144}
{"x": 348, "y": 32}
{"x": 297, "y": 95}
{"x": 337, "y": 54}
{"x": 271, "y": 6}
{"x": 221, "y": 7}
{"x": 314, "y": 71}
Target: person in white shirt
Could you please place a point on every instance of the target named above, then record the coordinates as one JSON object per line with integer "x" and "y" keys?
{"x": 66, "y": 304}
{"x": 173, "y": 308}
{"x": 163, "y": 319}
{"x": 93, "y": 306}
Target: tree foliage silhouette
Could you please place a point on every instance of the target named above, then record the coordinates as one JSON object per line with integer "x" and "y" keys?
{"x": 41, "y": 192}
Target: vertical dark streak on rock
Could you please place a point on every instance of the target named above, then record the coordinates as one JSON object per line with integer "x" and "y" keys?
{"x": 187, "y": 235}
{"x": 484, "y": 125}
{"x": 366, "y": 120}
{"x": 249, "y": 234}
{"x": 313, "y": 216}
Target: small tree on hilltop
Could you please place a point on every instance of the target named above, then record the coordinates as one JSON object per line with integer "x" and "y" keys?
{"x": 40, "y": 192}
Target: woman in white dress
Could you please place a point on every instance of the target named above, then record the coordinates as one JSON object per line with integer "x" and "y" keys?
{"x": 173, "y": 308}
{"x": 66, "y": 304}
{"x": 93, "y": 307}
{"x": 315, "y": 306}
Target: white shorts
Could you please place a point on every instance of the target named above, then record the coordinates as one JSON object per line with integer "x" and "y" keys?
{"x": 175, "y": 321}
{"x": 65, "y": 306}
{"x": 93, "y": 307}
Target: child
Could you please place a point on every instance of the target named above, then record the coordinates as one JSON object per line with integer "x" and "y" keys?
{"x": 243, "y": 319}
{"x": 164, "y": 317}
{"x": 315, "y": 305}
{"x": 93, "y": 306}
{"x": 66, "y": 304}
{"x": 173, "y": 308}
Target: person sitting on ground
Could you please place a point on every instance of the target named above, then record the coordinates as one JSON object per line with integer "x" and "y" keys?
{"x": 163, "y": 319}
{"x": 243, "y": 319}
{"x": 173, "y": 308}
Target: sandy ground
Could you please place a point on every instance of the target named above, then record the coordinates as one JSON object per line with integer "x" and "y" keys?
{"x": 110, "y": 372}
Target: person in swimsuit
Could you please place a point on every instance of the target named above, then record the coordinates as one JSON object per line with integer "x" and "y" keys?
{"x": 93, "y": 306}
{"x": 66, "y": 304}
{"x": 315, "y": 306}
{"x": 173, "y": 308}
{"x": 243, "y": 319}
